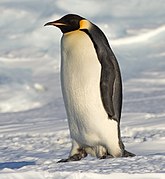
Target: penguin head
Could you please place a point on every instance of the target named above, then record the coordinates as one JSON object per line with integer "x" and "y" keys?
{"x": 70, "y": 22}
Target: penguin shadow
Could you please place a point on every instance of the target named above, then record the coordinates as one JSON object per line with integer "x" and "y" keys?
{"x": 16, "y": 165}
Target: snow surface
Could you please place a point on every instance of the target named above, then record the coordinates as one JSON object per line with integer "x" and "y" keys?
{"x": 33, "y": 127}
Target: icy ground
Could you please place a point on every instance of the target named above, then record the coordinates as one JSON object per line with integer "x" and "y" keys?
{"x": 33, "y": 126}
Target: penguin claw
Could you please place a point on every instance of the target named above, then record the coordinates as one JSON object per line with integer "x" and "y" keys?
{"x": 62, "y": 160}
{"x": 73, "y": 158}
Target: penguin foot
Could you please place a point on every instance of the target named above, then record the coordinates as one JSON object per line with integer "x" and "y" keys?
{"x": 108, "y": 156}
{"x": 125, "y": 154}
{"x": 75, "y": 157}
{"x": 128, "y": 154}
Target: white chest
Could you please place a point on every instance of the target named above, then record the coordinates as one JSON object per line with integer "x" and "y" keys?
{"x": 79, "y": 59}
{"x": 80, "y": 80}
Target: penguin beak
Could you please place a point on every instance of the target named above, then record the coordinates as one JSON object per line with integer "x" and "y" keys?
{"x": 55, "y": 23}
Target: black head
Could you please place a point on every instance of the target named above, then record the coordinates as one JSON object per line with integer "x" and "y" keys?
{"x": 67, "y": 23}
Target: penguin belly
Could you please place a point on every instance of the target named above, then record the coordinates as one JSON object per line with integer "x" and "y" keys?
{"x": 80, "y": 80}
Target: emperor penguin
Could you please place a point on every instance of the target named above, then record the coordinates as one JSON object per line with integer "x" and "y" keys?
{"x": 92, "y": 90}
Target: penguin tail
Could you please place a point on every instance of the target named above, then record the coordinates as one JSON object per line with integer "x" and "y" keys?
{"x": 128, "y": 154}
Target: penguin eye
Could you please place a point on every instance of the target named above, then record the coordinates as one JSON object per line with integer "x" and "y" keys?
{"x": 73, "y": 25}
{"x": 73, "y": 22}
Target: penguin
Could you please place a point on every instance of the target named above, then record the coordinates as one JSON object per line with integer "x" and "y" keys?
{"x": 92, "y": 90}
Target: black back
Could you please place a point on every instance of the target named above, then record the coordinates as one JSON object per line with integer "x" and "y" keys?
{"x": 110, "y": 82}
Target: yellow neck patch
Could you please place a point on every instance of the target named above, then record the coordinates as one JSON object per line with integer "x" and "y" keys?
{"x": 85, "y": 24}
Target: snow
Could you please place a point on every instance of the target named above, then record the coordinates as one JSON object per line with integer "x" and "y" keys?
{"x": 34, "y": 133}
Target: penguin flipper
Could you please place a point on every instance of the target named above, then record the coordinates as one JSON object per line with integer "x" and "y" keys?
{"x": 106, "y": 89}
{"x": 110, "y": 82}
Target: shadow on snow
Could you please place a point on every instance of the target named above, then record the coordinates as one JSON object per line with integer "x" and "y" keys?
{"x": 16, "y": 165}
